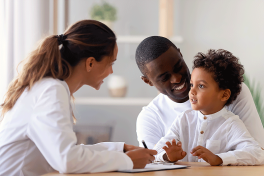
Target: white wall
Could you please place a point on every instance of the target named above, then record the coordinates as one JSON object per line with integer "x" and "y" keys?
{"x": 234, "y": 25}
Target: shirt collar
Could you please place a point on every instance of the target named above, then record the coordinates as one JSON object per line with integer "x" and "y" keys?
{"x": 178, "y": 105}
{"x": 213, "y": 116}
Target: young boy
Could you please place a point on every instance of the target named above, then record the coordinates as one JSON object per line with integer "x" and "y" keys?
{"x": 209, "y": 132}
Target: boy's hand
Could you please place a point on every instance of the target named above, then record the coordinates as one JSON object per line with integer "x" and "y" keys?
{"x": 174, "y": 151}
{"x": 206, "y": 155}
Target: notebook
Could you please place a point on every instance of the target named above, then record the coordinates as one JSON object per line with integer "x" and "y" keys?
{"x": 154, "y": 167}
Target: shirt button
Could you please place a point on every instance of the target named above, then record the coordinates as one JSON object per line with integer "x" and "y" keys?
{"x": 202, "y": 132}
{"x": 205, "y": 118}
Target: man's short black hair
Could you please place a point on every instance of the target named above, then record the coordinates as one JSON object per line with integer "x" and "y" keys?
{"x": 151, "y": 48}
{"x": 225, "y": 69}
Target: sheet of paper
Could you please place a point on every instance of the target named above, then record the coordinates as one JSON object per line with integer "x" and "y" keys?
{"x": 154, "y": 167}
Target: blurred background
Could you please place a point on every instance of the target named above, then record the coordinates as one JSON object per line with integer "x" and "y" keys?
{"x": 192, "y": 25}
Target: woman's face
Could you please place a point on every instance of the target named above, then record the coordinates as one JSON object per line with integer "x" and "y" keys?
{"x": 102, "y": 69}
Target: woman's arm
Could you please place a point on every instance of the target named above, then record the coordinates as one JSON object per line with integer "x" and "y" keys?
{"x": 51, "y": 130}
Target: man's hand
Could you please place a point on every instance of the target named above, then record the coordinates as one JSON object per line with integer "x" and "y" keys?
{"x": 206, "y": 155}
{"x": 130, "y": 147}
{"x": 174, "y": 151}
{"x": 140, "y": 157}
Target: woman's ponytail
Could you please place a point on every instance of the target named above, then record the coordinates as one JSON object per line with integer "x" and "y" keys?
{"x": 44, "y": 61}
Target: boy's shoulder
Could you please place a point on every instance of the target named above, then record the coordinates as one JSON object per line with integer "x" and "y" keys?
{"x": 190, "y": 113}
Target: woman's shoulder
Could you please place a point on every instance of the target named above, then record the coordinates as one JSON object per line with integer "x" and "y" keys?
{"x": 50, "y": 85}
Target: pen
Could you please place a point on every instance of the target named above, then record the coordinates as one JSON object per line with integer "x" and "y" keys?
{"x": 145, "y": 146}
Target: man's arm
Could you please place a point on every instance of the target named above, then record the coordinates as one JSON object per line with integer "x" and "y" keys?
{"x": 148, "y": 128}
{"x": 245, "y": 108}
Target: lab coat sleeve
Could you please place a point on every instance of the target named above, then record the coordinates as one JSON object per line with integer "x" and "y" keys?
{"x": 245, "y": 108}
{"x": 173, "y": 133}
{"x": 242, "y": 148}
{"x": 110, "y": 146}
{"x": 50, "y": 128}
{"x": 148, "y": 128}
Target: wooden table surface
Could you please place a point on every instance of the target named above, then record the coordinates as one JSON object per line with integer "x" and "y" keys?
{"x": 195, "y": 169}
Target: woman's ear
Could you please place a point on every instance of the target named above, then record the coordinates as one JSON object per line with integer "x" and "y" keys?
{"x": 89, "y": 63}
{"x": 146, "y": 80}
{"x": 226, "y": 95}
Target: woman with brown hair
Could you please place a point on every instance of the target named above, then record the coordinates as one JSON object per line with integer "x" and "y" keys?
{"x": 36, "y": 133}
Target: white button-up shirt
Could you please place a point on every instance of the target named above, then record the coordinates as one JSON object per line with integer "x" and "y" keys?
{"x": 223, "y": 133}
{"x": 155, "y": 119}
{"x": 37, "y": 137}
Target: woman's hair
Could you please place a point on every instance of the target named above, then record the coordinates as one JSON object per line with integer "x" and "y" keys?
{"x": 86, "y": 38}
{"x": 225, "y": 69}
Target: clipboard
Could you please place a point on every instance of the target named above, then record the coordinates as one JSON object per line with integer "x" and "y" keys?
{"x": 154, "y": 167}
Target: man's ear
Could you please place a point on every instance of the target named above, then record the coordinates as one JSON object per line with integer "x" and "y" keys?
{"x": 89, "y": 63}
{"x": 226, "y": 95}
{"x": 146, "y": 80}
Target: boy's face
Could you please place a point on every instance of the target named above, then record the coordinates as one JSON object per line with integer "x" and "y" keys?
{"x": 170, "y": 75}
{"x": 205, "y": 94}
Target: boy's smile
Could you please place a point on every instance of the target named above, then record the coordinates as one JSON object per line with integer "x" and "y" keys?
{"x": 170, "y": 75}
{"x": 205, "y": 94}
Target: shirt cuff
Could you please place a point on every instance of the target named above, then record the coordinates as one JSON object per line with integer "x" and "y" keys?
{"x": 129, "y": 163}
{"x": 114, "y": 146}
{"x": 227, "y": 159}
{"x": 120, "y": 146}
{"x": 159, "y": 157}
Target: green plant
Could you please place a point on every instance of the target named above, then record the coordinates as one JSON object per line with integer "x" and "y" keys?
{"x": 105, "y": 11}
{"x": 255, "y": 90}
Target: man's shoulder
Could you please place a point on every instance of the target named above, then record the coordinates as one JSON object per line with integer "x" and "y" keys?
{"x": 157, "y": 102}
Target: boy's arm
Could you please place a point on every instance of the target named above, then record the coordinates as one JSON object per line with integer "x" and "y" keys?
{"x": 245, "y": 108}
{"x": 148, "y": 128}
{"x": 172, "y": 134}
{"x": 242, "y": 148}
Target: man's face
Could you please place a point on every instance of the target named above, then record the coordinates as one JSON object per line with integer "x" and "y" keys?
{"x": 170, "y": 75}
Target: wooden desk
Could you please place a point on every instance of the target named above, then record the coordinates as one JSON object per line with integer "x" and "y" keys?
{"x": 196, "y": 169}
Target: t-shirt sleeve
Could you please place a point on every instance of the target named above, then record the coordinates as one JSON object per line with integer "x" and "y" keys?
{"x": 148, "y": 128}
{"x": 245, "y": 108}
{"x": 50, "y": 128}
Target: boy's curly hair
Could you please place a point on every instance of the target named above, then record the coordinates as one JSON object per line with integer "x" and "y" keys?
{"x": 225, "y": 68}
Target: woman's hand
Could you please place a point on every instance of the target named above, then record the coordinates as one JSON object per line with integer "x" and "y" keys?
{"x": 206, "y": 155}
{"x": 174, "y": 151}
{"x": 130, "y": 147}
{"x": 141, "y": 157}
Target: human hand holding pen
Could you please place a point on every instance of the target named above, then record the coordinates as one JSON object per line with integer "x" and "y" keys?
{"x": 130, "y": 147}
{"x": 141, "y": 157}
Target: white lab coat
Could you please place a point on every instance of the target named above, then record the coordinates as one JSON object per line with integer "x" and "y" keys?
{"x": 37, "y": 137}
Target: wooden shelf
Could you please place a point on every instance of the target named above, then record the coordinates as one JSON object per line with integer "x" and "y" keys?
{"x": 112, "y": 101}
{"x": 140, "y": 38}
